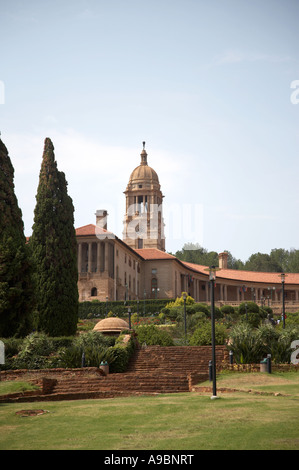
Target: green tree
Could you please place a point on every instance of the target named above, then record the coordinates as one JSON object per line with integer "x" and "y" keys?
{"x": 262, "y": 262}
{"x": 194, "y": 253}
{"x": 16, "y": 293}
{"x": 293, "y": 265}
{"x": 54, "y": 251}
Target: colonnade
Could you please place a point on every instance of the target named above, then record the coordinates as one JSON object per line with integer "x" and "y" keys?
{"x": 200, "y": 291}
{"x": 96, "y": 257}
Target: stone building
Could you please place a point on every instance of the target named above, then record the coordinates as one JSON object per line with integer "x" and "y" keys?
{"x": 138, "y": 266}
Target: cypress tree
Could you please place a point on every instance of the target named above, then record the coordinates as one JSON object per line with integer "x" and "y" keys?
{"x": 16, "y": 292}
{"x": 54, "y": 251}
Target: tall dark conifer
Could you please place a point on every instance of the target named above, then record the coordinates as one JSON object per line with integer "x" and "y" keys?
{"x": 16, "y": 293}
{"x": 54, "y": 251}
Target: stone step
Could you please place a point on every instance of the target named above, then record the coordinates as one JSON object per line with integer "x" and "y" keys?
{"x": 152, "y": 370}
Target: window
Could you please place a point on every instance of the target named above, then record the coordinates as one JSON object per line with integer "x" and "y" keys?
{"x": 140, "y": 243}
{"x": 94, "y": 292}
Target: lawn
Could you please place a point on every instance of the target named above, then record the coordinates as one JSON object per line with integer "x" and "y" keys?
{"x": 237, "y": 420}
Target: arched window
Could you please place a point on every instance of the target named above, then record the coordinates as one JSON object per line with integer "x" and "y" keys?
{"x": 94, "y": 292}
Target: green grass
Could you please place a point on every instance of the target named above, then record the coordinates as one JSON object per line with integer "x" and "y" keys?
{"x": 286, "y": 383}
{"x": 186, "y": 421}
{"x": 15, "y": 387}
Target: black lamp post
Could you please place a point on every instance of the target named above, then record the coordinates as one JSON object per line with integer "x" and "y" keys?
{"x": 212, "y": 282}
{"x": 129, "y": 312}
{"x": 283, "y": 300}
{"x": 185, "y": 320}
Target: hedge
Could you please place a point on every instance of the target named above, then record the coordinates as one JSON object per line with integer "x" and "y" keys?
{"x": 97, "y": 309}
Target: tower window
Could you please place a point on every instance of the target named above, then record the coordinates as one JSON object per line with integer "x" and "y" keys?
{"x": 140, "y": 186}
{"x": 140, "y": 243}
{"x": 94, "y": 292}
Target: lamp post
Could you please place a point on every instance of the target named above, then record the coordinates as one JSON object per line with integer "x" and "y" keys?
{"x": 129, "y": 312}
{"x": 155, "y": 290}
{"x": 283, "y": 302}
{"x": 144, "y": 296}
{"x": 106, "y": 306}
{"x": 185, "y": 321}
{"x": 212, "y": 278}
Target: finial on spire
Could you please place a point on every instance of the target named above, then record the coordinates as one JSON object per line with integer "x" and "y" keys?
{"x": 143, "y": 155}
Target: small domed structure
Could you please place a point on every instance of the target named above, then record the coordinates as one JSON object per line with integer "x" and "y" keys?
{"x": 111, "y": 326}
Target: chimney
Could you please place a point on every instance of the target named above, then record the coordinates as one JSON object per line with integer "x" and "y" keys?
{"x": 223, "y": 260}
{"x": 101, "y": 218}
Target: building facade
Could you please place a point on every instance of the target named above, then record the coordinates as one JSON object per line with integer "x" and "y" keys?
{"x": 138, "y": 266}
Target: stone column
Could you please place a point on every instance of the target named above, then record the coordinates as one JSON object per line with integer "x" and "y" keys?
{"x": 106, "y": 266}
{"x": 225, "y": 292}
{"x": 98, "y": 257}
{"x": 220, "y": 292}
{"x": 79, "y": 257}
{"x": 89, "y": 256}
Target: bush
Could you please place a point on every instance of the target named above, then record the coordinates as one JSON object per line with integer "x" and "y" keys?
{"x": 245, "y": 344}
{"x": 250, "y": 345}
{"x": 253, "y": 319}
{"x": 36, "y": 344}
{"x": 202, "y": 336}
{"x": 251, "y": 307}
{"x": 217, "y": 312}
{"x": 120, "y": 354}
{"x": 153, "y": 335}
{"x": 227, "y": 310}
{"x": 93, "y": 338}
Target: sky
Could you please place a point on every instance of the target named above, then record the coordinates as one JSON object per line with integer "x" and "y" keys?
{"x": 212, "y": 87}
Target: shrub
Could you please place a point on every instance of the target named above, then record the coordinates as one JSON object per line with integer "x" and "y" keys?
{"x": 93, "y": 338}
{"x": 245, "y": 344}
{"x": 202, "y": 336}
{"x": 253, "y": 319}
{"x": 120, "y": 354}
{"x": 251, "y": 307}
{"x": 217, "y": 311}
{"x": 227, "y": 310}
{"x": 153, "y": 335}
{"x": 36, "y": 344}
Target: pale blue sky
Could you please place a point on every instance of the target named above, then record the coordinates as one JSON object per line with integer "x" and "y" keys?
{"x": 207, "y": 85}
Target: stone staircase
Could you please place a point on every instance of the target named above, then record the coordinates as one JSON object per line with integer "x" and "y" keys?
{"x": 152, "y": 370}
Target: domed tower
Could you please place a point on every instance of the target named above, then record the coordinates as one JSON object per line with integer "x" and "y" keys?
{"x": 143, "y": 224}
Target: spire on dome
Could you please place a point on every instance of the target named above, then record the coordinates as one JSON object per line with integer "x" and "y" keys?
{"x": 143, "y": 155}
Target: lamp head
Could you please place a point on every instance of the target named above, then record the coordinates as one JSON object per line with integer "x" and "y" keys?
{"x": 212, "y": 273}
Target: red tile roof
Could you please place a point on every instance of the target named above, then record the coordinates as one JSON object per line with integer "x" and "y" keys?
{"x": 247, "y": 276}
{"x": 228, "y": 274}
{"x": 153, "y": 253}
{"x": 89, "y": 230}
